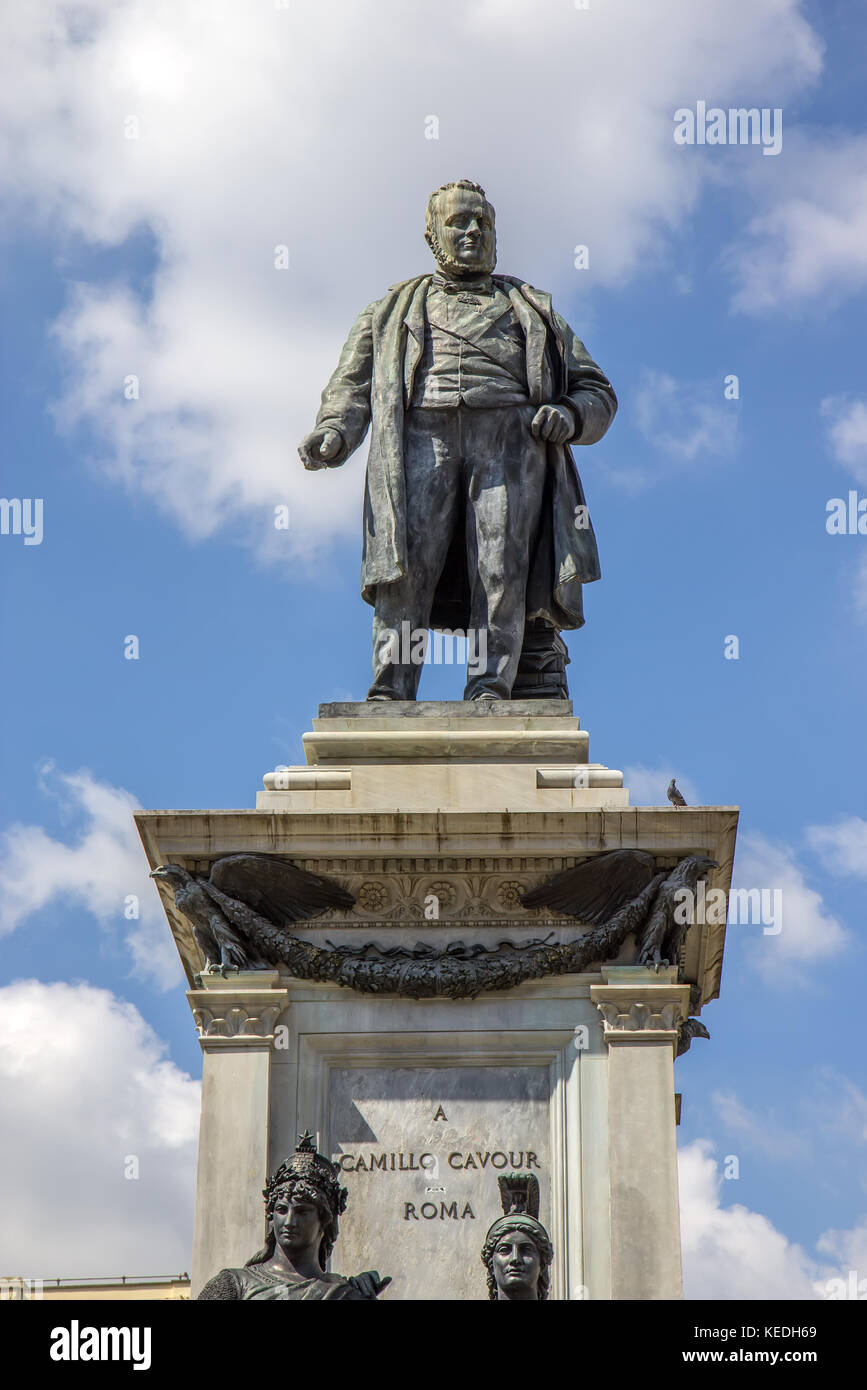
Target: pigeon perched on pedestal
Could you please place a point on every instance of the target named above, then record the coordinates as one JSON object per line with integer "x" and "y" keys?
{"x": 674, "y": 795}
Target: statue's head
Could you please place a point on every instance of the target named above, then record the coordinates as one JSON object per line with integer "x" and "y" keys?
{"x": 517, "y": 1252}
{"x": 303, "y": 1201}
{"x": 460, "y": 229}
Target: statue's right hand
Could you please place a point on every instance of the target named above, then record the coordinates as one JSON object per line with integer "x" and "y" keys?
{"x": 318, "y": 448}
{"x": 369, "y": 1284}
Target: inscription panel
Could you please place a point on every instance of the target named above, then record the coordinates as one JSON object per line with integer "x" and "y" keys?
{"x": 420, "y": 1150}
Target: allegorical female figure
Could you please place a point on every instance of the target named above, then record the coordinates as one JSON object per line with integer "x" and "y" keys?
{"x": 303, "y": 1201}
{"x": 517, "y": 1252}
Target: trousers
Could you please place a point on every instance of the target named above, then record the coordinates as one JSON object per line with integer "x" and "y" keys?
{"x": 484, "y": 467}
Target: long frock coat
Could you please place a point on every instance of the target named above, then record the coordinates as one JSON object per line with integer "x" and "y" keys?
{"x": 371, "y": 384}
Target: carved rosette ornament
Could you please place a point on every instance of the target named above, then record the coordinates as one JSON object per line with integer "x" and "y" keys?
{"x": 373, "y": 897}
{"x": 445, "y": 894}
{"x": 509, "y": 894}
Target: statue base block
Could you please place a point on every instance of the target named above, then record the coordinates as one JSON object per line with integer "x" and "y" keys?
{"x": 437, "y": 818}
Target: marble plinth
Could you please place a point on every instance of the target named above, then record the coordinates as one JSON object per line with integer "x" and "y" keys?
{"x": 466, "y": 806}
{"x": 454, "y": 755}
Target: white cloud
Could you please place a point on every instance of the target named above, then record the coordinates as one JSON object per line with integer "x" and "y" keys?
{"x": 84, "y": 1086}
{"x": 809, "y": 933}
{"x": 848, "y": 1250}
{"x": 104, "y": 866}
{"x": 687, "y": 421}
{"x": 260, "y": 126}
{"x": 836, "y": 1110}
{"x": 809, "y": 240}
{"x": 847, "y": 439}
{"x": 648, "y": 785}
{"x": 842, "y": 847}
{"x": 758, "y": 1132}
{"x": 732, "y": 1252}
{"x": 822, "y": 1133}
{"x": 847, "y": 432}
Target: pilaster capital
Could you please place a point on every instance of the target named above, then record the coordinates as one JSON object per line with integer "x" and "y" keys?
{"x": 239, "y": 1011}
{"x": 641, "y": 1006}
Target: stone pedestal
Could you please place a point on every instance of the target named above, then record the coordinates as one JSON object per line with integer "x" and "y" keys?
{"x": 436, "y": 818}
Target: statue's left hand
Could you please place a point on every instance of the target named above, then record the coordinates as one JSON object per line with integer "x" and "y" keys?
{"x": 369, "y": 1284}
{"x": 553, "y": 423}
{"x": 321, "y": 448}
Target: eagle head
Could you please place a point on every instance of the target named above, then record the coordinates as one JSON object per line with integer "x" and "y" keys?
{"x": 690, "y": 869}
{"x": 172, "y": 874}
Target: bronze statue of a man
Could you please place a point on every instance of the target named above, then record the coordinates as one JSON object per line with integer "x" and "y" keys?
{"x": 474, "y": 514}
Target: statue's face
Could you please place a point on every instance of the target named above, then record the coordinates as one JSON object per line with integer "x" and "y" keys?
{"x": 465, "y": 232}
{"x": 516, "y": 1265}
{"x": 297, "y": 1224}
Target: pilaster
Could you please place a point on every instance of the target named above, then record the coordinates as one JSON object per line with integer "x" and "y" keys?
{"x": 236, "y": 1018}
{"x": 641, "y": 1011}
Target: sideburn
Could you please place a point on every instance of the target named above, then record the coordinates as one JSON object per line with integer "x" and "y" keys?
{"x": 447, "y": 262}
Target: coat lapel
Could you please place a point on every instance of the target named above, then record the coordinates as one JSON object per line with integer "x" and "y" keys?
{"x": 414, "y": 320}
{"x": 531, "y": 321}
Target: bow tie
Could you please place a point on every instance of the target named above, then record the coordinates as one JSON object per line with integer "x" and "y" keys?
{"x": 463, "y": 287}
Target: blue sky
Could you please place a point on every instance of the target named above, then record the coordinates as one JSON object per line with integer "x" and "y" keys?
{"x": 155, "y": 256}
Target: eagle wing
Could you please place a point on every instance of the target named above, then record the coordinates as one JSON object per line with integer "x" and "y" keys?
{"x": 275, "y": 888}
{"x": 597, "y": 888}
